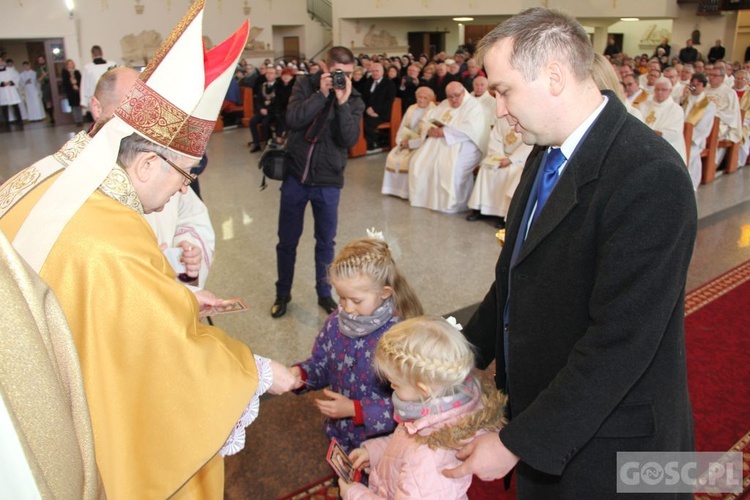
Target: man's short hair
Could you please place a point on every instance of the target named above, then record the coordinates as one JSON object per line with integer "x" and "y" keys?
{"x": 340, "y": 55}
{"x": 105, "y": 86}
{"x": 96, "y": 51}
{"x": 134, "y": 144}
{"x": 700, "y": 77}
{"x": 538, "y": 35}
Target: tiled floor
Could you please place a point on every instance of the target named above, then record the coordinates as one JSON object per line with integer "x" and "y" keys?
{"x": 449, "y": 261}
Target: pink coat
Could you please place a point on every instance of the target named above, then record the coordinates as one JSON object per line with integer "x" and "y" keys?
{"x": 402, "y": 468}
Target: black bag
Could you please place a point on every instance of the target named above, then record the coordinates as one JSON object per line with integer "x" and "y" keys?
{"x": 272, "y": 163}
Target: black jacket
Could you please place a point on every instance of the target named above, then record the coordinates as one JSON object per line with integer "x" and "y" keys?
{"x": 596, "y": 342}
{"x": 382, "y": 99}
{"x": 321, "y": 163}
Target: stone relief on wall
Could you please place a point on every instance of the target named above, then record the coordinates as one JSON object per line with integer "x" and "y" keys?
{"x": 137, "y": 50}
{"x": 653, "y": 36}
{"x": 379, "y": 39}
{"x": 253, "y": 44}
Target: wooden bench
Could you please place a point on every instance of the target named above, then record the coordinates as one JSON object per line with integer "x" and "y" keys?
{"x": 708, "y": 155}
{"x": 360, "y": 149}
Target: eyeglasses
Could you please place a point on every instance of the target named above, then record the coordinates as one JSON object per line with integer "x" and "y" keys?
{"x": 189, "y": 178}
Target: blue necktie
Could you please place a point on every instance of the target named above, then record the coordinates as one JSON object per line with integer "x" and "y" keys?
{"x": 555, "y": 158}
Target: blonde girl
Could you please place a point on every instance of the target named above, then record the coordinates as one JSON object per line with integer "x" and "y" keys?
{"x": 373, "y": 296}
{"x": 439, "y": 407}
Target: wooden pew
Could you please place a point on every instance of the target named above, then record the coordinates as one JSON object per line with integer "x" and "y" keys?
{"x": 708, "y": 155}
{"x": 687, "y": 133}
{"x": 395, "y": 123}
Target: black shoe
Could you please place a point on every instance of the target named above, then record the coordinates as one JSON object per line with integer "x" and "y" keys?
{"x": 474, "y": 215}
{"x": 255, "y": 149}
{"x": 500, "y": 224}
{"x": 328, "y": 304}
{"x": 279, "y": 307}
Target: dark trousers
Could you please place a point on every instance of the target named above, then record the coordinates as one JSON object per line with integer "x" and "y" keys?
{"x": 6, "y": 114}
{"x": 371, "y": 131}
{"x": 325, "y": 205}
{"x": 265, "y": 123}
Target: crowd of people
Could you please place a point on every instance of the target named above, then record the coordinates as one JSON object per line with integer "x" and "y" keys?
{"x": 547, "y": 123}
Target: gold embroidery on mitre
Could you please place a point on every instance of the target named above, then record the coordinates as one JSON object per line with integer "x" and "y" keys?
{"x": 118, "y": 187}
{"x": 511, "y": 138}
{"x": 651, "y": 118}
{"x": 164, "y": 123}
{"x": 177, "y": 32}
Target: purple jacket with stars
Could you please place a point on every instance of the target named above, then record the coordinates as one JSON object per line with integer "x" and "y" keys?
{"x": 345, "y": 364}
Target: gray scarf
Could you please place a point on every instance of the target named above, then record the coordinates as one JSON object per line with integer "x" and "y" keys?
{"x": 355, "y": 326}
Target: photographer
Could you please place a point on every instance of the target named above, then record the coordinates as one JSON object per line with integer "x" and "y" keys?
{"x": 407, "y": 91}
{"x": 323, "y": 117}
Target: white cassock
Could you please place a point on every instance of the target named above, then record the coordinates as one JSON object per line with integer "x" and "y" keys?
{"x": 745, "y": 108}
{"x": 488, "y": 104}
{"x": 666, "y": 117}
{"x": 91, "y": 74}
{"x": 494, "y": 186}
{"x": 9, "y": 94}
{"x": 699, "y": 111}
{"x": 441, "y": 171}
{"x": 677, "y": 91}
{"x": 730, "y": 119}
{"x": 33, "y": 97}
{"x": 185, "y": 218}
{"x": 396, "y": 176}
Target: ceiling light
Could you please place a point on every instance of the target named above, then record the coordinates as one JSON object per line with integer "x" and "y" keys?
{"x": 629, "y": 19}
{"x": 463, "y": 19}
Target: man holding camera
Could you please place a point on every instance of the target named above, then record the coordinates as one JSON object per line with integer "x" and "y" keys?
{"x": 323, "y": 118}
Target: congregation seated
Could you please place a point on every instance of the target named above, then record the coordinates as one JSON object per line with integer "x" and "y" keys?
{"x": 411, "y": 134}
{"x": 741, "y": 81}
{"x": 665, "y": 117}
{"x": 441, "y": 171}
{"x": 634, "y": 94}
{"x": 480, "y": 91}
{"x": 499, "y": 173}
{"x": 727, "y": 109}
{"x": 265, "y": 114}
{"x": 379, "y": 95}
{"x": 440, "y": 81}
{"x": 700, "y": 113}
{"x": 231, "y": 111}
{"x": 408, "y": 87}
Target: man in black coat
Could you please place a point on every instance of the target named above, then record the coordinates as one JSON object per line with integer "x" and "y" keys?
{"x": 716, "y": 53}
{"x": 586, "y": 317}
{"x": 379, "y": 95}
{"x": 323, "y": 124}
{"x": 688, "y": 54}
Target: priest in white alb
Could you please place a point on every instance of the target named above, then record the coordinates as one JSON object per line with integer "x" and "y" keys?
{"x": 699, "y": 112}
{"x": 727, "y": 109}
{"x": 665, "y": 117}
{"x": 411, "y": 134}
{"x": 441, "y": 172}
{"x": 499, "y": 173}
{"x": 481, "y": 92}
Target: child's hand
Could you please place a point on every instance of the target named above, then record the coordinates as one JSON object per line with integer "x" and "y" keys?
{"x": 338, "y": 406}
{"x": 360, "y": 458}
{"x": 343, "y": 487}
{"x": 297, "y": 372}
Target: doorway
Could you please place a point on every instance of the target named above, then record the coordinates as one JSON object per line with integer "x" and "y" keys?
{"x": 291, "y": 47}
{"x": 53, "y": 50}
{"x": 426, "y": 42}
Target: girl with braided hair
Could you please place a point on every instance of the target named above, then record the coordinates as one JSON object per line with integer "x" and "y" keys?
{"x": 373, "y": 296}
{"x": 439, "y": 407}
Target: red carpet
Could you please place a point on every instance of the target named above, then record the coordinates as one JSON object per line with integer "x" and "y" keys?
{"x": 717, "y": 325}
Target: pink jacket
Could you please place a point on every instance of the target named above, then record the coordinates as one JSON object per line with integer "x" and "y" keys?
{"x": 402, "y": 468}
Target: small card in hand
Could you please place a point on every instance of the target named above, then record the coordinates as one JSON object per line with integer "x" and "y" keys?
{"x": 226, "y": 306}
{"x": 341, "y": 464}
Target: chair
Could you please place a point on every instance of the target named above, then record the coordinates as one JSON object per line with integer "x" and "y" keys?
{"x": 395, "y": 123}
{"x": 359, "y": 149}
{"x": 687, "y": 133}
{"x": 247, "y": 106}
{"x": 708, "y": 155}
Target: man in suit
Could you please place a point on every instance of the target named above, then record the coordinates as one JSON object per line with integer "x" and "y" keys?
{"x": 585, "y": 318}
{"x": 379, "y": 98}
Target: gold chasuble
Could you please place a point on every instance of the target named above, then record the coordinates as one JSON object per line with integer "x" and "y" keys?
{"x": 164, "y": 390}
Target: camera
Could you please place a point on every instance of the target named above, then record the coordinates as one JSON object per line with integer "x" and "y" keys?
{"x": 338, "y": 78}
{"x": 691, "y": 88}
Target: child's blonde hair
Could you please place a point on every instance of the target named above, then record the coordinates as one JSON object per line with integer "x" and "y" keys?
{"x": 371, "y": 257}
{"x": 430, "y": 350}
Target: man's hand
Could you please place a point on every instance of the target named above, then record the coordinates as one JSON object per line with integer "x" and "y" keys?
{"x": 486, "y": 457}
{"x": 343, "y": 94}
{"x": 435, "y": 132}
{"x": 191, "y": 257}
{"x": 504, "y": 163}
{"x": 283, "y": 380}
{"x": 206, "y": 299}
{"x": 263, "y": 111}
{"x": 371, "y": 112}
{"x": 404, "y": 144}
{"x": 338, "y": 406}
